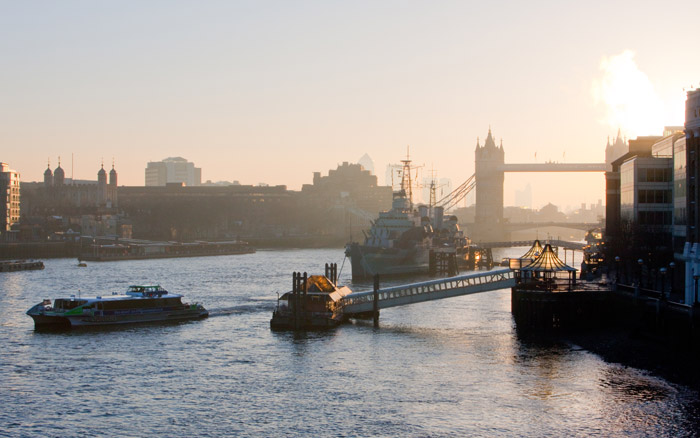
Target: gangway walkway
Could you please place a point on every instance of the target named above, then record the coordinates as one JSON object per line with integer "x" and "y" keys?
{"x": 362, "y": 302}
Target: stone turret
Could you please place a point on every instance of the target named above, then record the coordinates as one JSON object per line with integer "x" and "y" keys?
{"x": 59, "y": 175}
{"x": 112, "y": 189}
{"x": 48, "y": 176}
{"x": 113, "y": 177}
{"x": 101, "y": 186}
{"x": 102, "y": 176}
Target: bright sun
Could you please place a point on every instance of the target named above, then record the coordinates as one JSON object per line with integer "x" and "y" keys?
{"x": 629, "y": 96}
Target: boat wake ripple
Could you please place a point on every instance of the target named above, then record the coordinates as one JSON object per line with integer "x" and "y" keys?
{"x": 242, "y": 309}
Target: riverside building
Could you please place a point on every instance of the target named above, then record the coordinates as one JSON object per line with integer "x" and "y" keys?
{"x": 691, "y": 252}
{"x": 9, "y": 199}
{"x": 173, "y": 170}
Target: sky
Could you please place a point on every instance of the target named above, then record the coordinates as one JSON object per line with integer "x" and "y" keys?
{"x": 272, "y": 91}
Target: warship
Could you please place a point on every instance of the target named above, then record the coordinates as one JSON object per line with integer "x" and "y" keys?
{"x": 400, "y": 240}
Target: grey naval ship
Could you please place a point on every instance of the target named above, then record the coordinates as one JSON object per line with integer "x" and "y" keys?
{"x": 400, "y": 240}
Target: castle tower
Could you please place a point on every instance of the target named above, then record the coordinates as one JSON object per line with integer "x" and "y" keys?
{"x": 112, "y": 190}
{"x": 615, "y": 150}
{"x": 113, "y": 176}
{"x": 101, "y": 186}
{"x": 102, "y": 176}
{"x": 59, "y": 175}
{"x": 488, "y": 164}
{"x": 48, "y": 176}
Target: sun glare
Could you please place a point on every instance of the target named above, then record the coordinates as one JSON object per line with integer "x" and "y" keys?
{"x": 629, "y": 97}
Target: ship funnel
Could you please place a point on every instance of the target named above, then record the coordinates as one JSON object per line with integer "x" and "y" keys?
{"x": 439, "y": 215}
{"x": 423, "y": 210}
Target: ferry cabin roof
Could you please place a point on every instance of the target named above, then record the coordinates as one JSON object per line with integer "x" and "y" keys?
{"x": 320, "y": 286}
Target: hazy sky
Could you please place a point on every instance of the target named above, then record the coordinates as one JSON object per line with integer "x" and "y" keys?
{"x": 271, "y": 91}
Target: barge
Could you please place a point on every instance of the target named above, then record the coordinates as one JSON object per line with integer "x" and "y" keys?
{"x": 139, "y": 250}
{"x": 21, "y": 265}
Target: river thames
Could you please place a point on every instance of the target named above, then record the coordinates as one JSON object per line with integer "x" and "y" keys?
{"x": 448, "y": 368}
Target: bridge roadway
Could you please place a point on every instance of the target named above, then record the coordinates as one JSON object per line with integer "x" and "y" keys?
{"x": 362, "y": 302}
{"x": 583, "y": 226}
{"x": 552, "y": 167}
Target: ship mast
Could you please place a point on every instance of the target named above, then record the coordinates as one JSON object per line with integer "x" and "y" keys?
{"x": 433, "y": 190}
{"x": 406, "y": 184}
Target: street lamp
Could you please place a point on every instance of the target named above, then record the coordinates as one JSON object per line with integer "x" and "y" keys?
{"x": 640, "y": 262}
{"x": 662, "y": 271}
{"x": 672, "y": 265}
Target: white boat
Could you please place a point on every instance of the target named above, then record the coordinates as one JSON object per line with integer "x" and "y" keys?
{"x": 149, "y": 303}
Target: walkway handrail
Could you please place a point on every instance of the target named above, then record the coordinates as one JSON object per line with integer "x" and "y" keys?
{"x": 428, "y": 290}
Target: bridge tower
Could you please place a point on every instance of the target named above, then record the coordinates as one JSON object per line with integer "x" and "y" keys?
{"x": 488, "y": 164}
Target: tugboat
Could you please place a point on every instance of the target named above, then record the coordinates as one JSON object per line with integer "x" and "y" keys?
{"x": 315, "y": 302}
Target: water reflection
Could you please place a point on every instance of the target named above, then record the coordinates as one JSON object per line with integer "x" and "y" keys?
{"x": 454, "y": 367}
{"x": 637, "y": 385}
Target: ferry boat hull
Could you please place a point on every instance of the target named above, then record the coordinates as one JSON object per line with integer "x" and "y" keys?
{"x": 48, "y": 320}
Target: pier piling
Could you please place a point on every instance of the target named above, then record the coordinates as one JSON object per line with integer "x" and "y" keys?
{"x": 375, "y": 311}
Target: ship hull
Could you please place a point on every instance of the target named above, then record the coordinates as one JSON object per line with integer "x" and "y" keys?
{"x": 366, "y": 261}
{"x": 47, "y": 320}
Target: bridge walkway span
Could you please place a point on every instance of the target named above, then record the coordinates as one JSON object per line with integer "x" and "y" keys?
{"x": 362, "y": 302}
{"x": 577, "y": 246}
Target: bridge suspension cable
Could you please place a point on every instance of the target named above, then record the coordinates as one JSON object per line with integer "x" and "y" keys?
{"x": 455, "y": 196}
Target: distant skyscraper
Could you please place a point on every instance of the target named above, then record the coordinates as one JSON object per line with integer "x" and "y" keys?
{"x": 173, "y": 170}
{"x": 367, "y": 163}
{"x": 391, "y": 178}
{"x": 443, "y": 186}
{"x": 523, "y": 198}
{"x": 9, "y": 197}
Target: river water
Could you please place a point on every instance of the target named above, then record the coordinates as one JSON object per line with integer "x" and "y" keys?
{"x": 449, "y": 368}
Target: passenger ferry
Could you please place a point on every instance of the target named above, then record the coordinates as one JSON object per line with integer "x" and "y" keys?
{"x": 149, "y": 303}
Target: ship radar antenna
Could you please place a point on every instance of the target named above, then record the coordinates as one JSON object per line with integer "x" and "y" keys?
{"x": 433, "y": 201}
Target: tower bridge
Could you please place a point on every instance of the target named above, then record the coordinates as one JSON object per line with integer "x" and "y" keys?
{"x": 489, "y": 170}
{"x": 553, "y": 167}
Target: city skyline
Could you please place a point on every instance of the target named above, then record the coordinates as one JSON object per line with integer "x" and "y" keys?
{"x": 270, "y": 93}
